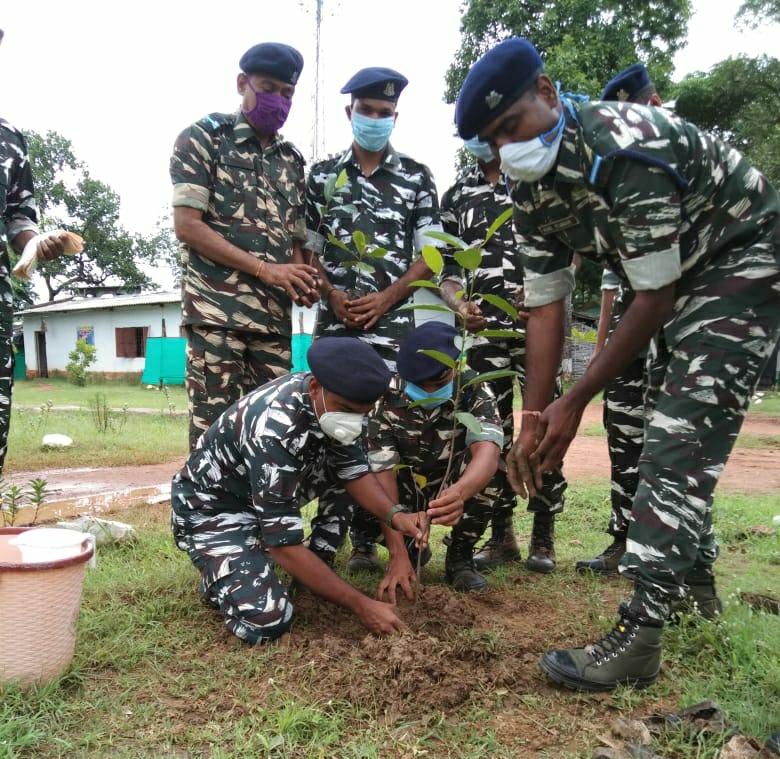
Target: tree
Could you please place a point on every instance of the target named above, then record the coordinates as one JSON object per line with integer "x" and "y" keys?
{"x": 739, "y": 101}
{"x": 754, "y": 13}
{"x": 583, "y": 43}
{"x": 70, "y": 198}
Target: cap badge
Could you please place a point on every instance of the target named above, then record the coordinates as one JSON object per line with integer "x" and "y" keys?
{"x": 389, "y": 89}
{"x": 493, "y": 98}
{"x": 622, "y": 95}
{"x": 294, "y": 77}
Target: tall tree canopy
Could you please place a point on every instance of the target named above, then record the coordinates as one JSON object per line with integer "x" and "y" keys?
{"x": 739, "y": 100}
{"x": 583, "y": 43}
{"x": 70, "y": 198}
{"x": 754, "y": 13}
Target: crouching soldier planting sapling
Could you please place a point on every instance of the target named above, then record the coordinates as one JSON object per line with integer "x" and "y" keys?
{"x": 236, "y": 503}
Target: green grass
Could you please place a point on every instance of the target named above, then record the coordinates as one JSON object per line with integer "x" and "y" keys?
{"x": 154, "y": 676}
{"x": 60, "y": 392}
{"x": 130, "y": 439}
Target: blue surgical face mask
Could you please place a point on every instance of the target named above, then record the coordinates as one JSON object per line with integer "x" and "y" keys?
{"x": 479, "y": 149}
{"x": 371, "y": 134}
{"x": 433, "y": 399}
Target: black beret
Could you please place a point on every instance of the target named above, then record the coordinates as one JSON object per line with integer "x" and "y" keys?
{"x": 494, "y": 82}
{"x": 349, "y": 367}
{"x": 376, "y": 82}
{"x": 274, "y": 59}
{"x": 414, "y": 366}
{"x": 630, "y": 84}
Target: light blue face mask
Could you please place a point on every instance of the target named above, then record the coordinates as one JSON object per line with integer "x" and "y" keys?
{"x": 479, "y": 149}
{"x": 371, "y": 134}
{"x": 430, "y": 400}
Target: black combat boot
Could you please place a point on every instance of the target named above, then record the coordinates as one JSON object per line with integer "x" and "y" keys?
{"x": 500, "y": 549}
{"x": 630, "y": 654}
{"x": 460, "y": 572}
{"x": 364, "y": 558}
{"x": 541, "y": 549}
{"x": 606, "y": 563}
{"x": 702, "y": 598}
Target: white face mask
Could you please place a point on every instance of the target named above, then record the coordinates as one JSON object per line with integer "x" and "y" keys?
{"x": 342, "y": 426}
{"x": 531, "y": 160}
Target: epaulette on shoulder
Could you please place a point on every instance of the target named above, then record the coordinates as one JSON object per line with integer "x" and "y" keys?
{"x": 214, "y": 122}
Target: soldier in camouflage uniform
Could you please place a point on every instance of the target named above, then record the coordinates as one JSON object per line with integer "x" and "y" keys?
{"x": 18, "y": 225}
{"x": 468, "y": 209}
{"x": 409, "y": 440}
{"x": 392, "y": 200}
{"x": 236, "y": 503}
{"x": 238, "y": 209}
{"x": 693, "y": 228}
{"x": 624, "y": 417}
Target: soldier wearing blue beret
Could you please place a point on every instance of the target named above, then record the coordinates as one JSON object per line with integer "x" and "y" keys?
{"x": 238, "y": 209}
{"x": 236, "y": 502}
{"x": 412, "y": 438}
{"x": 391, "y": 200}
{"x": 694, "y": 229}
{"x": 632, "y": 84}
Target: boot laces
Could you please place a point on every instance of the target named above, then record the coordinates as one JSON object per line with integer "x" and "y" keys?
{"x": 542, "y": 534}
{"x": 615, "y": 642}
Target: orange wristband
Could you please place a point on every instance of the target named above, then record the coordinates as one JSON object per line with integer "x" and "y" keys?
{"x": 259, "y": 269}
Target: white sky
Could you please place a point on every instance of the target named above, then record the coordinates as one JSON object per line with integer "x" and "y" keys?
{"x": 121, "y": 80}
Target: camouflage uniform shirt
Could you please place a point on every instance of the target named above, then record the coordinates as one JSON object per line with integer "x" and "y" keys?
{"x": 260, "y": 463}
{"x": 17, "y": 205}
{"x": 252, "y": 197}
{"x": 394, "y": 207}
{"x": 468, "y": 209}
{"x": 632, "y": 221}
{"x": 400, "y": 433}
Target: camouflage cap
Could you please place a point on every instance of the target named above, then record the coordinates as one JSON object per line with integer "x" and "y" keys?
{"x": 414, "y": 366}
{"x": 630, "y": 84}
{"x": 349, "y": 367}
{"x": 376, "y": 82}
{"x": 274, "y": 59}
{"x": 494, "y": 82}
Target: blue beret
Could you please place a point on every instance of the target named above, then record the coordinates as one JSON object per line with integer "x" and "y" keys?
{"x": 630, "y": 84}
{"x": 274, "y": 59}
{"x": 349, "y": 367}
{"x": 494, "y": 82}
{"x": 376, "y": 82}
{"x": 414, "y": 366}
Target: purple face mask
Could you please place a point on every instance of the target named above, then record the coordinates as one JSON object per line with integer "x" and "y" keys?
{"x": 269, "y": 112}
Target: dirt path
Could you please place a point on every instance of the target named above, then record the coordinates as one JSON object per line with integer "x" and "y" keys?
{"x": 96, "y": 490}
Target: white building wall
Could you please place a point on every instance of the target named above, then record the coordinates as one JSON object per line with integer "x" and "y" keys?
{"x": 62, "y": 330}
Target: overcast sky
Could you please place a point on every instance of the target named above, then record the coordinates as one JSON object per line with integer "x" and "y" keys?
{"x": 121, "y": 80}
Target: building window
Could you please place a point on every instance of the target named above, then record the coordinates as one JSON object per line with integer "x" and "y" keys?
{"x": 131, "y": 342}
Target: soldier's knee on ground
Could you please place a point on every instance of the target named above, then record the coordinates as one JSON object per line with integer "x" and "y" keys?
{"x": 260, "y": 625}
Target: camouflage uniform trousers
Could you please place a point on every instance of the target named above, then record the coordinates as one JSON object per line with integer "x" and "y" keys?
{"x": 6, "y": 386}
{"x": 699, "y": 388}
{"x": 337, "y": 511}
{"x": 237, "y": 574}
{"x": 624, "y": 421}
{"x": 502, "y": 355}
{"x": 223, "y": 364}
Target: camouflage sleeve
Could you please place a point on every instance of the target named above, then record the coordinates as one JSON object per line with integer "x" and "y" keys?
{"x": 450, "y": 222}
{"x": 646, "y": 208}
{"x": 382, "y": 445}
{"x": 484, "y": 409}
{"x": 315, "y": 200}
{"x": 548, "y": 273}
{"x": 299, "y": 230}
{"x": 609, "y": 280}
{"x": 191, "y": 168}
{"x": 274, "y": 476}
{"x": 426, "y": 217}
{"x": 20, "y": 212}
